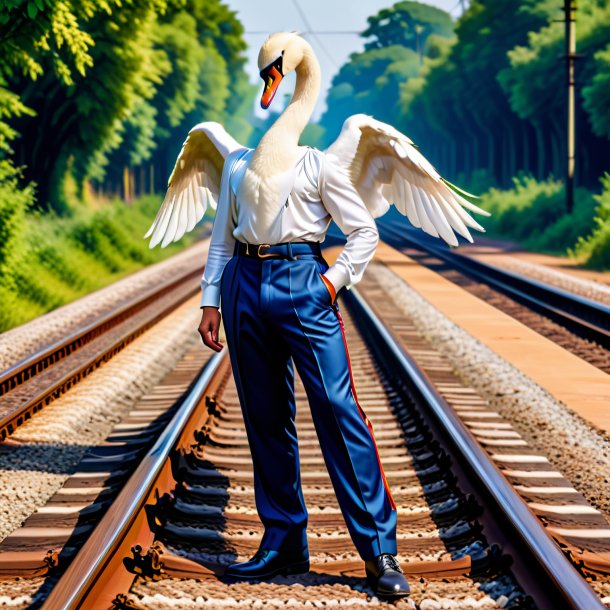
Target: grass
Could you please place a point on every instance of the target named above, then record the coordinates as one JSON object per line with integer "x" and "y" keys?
{"x": 594, "y": 248}
{"x": 532, "y": 213}
{"x": 50, "y": 260}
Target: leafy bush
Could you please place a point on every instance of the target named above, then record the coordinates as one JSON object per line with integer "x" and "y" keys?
{"x": 595, "y": 247}
{"x": 533, "y": 213}
{"x": 47, "y": 260}
{"x": 14, "y": 203}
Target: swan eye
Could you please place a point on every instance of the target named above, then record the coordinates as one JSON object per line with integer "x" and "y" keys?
{"x": 278, "y": 64}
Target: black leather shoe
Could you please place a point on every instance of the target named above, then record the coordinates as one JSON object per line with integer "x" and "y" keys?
{"x": 268, "y": 563}
{"x": 386, "y": 577}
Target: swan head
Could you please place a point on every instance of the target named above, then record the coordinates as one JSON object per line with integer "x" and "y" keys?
{"x": 280, "y": 54}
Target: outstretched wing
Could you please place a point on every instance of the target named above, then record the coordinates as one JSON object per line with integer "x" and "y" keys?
{"x": 194, "y": 184}
{"x": 386, "y": 168}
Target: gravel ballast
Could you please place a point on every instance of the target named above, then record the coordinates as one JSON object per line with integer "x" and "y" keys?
{"x": 548, "y": 425}
{"x": 596, "y": 291}
{"x": 43, "y": 452}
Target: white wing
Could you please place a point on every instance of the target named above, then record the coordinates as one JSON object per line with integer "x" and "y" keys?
{"x": 194, "y": 183}
{"x": 386, "y": 168}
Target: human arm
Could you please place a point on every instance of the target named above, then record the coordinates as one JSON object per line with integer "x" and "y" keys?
{"x": 222, "y": 242}
{"x": 220, "y": 251}
{"x": 348, "y": 210}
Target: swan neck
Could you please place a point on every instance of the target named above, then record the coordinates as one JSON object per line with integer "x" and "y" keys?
{"x": 285, "y": 132}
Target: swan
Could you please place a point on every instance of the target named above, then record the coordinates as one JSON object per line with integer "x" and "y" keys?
{"x": 384, "y": 165}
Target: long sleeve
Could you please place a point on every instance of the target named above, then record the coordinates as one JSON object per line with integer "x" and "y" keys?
{"x": 348, "y": 210}
{"x": 222, "y": 242}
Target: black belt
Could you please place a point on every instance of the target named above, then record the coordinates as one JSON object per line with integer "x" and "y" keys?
{"x": 289, "y": 250}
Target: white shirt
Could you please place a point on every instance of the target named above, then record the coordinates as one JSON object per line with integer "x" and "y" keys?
{"x": 322, "y": 192}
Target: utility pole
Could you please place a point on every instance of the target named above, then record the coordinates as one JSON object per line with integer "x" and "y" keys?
{"x": 570, "y": 24}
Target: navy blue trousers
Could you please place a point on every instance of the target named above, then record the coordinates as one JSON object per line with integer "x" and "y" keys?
{"x": 277, "y": 312}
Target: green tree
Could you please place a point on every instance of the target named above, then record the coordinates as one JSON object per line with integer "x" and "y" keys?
{"x": 534, "y": 83}
{"x": 596, "y": 95}
{"x": 372, "y": 82}
{"x": 79, "y": 91}
{"x": 200, "y": 45}
{"x": 114, "y": 84}
{"x": 408, "y": 24}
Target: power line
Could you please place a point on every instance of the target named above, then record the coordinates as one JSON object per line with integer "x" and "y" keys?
{"x": 462, "y": 5}
{"x": 312, "y": 31}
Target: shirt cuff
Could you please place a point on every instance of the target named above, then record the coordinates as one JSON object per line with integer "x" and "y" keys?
{"x": 210, "y": 295}
{"x": 337, "y": 276}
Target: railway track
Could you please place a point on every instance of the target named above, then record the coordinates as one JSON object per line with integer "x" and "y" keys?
{"x": 465, "y": 531}
{"x": 583, "y": 317}
{"x": 33, "y": 383}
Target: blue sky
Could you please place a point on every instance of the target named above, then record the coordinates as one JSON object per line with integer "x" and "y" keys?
{"x": 262, "y": 17}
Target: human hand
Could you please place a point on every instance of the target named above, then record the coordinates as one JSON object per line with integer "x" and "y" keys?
{"x": 209, "y": 326}
{"x": 331, "y": 288}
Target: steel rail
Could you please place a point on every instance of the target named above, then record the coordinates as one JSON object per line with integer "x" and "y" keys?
{"x": 77, "y": 587}
{"x": 34, "y": 362}
{"x": 26, "y": 370}
{"x": 585, "y": 317}
{"x": 569, "y": 583}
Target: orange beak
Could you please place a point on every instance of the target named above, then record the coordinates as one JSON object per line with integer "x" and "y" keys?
{"x": 272, "y": 77}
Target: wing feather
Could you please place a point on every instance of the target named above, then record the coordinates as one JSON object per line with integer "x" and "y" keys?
{"x": 411, "y": 209}
{"x": 377, "y": 154}
{"x": 172, "y": 225}
{"x": 426, "y": 223}
{"x": 165, "y": 214}
{"x": 194, "y": 183}
{"x": 191, "y": 208}
{"x": 439, "y": 219}
{"x": 453, "y": 217}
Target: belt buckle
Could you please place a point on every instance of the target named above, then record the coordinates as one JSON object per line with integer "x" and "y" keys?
{"x": 258, "y": 251}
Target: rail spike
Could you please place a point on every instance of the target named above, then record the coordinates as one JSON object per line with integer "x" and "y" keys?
{"x": 51, "y": 559}
{"x": 212, "y": 405}
{"x": 592, "y": 566}
{"x": 156, "y": 514}
{"x": 122, "y": 602}
{"x": 149, "y": 565}
{"x": 202, "y": 436}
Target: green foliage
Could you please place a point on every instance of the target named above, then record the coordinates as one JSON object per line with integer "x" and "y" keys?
{"x": 51, "y": 260}
{"x": 460, "y": 108}
{"x": 35, "y": 32}
{"x": 534, "y": 85}
{"x": 596, "y": 94}
{"x": 10, "y": 106}
{"x": 488, "y": 103}
{"x": 380, "y": 80}
{"x": 88, "y": 90}
{"x": 198, "y": 47}
{"x": 370, "y": 84}
{"x": 594, "y": 249}
{"x": 79, "y": 66}
{"x": 177, "y": 40}
{"x": 112, "y": 84}
{"x": 533, "y": 213}
{"x": 14, "y": 203}
{"x": 401, "y": 24}
{"x": 312, "y": 135}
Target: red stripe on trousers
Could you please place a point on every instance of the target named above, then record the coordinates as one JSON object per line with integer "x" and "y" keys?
{"x": 362, "y": 413}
